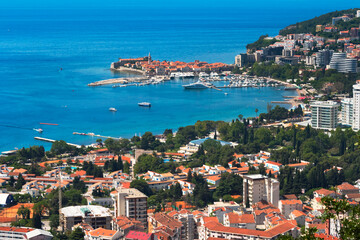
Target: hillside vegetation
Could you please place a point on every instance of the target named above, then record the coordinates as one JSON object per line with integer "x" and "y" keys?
{"x": 309, "y": 26}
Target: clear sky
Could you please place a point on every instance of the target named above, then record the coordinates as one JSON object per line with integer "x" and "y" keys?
{"x": 248, "y": 4}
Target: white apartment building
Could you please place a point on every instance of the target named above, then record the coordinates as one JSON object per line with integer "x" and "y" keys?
{"x": 356, "y": 107}
{"x": 131, "y": 203}
{"x": 324, "y": 114}
{"x": 258, "y": 187}
{"x": 95, "y": 216}
{"x": 358, "y": 13}
{"x": 347, "y": 111}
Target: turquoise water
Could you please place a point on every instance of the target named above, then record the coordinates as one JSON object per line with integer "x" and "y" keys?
{"x": 35, "y": 44}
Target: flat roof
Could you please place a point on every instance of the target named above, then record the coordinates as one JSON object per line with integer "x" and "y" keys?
{"x": 79, "y": 211}
{"x": 255, "y": 176}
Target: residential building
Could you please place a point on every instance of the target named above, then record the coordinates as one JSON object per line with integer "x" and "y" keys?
{"x": 216, "y": 230}
{"x": 343, "y": 64}
{"x": 14, "y": 232}
{"x": 246, "y": 221}
{"x": 260, "y": 188}
{"x": 324, "y": 114}
{"x": 323, "y": 57}
{"x": 95, "y": 216}
{"x": 131, "y": 203}
{"x": 102, "y": 234}
{"x": 358, "y": 13}
{"x": 347, "y": 111}
{"x": 346, "y": 188}
{"x": 287, "y": 206}
{"x": 356, "y": 107}
{"x": 161, "y": 222}
{"x": 38, "y": 234}
{"x": 134, "y": 235}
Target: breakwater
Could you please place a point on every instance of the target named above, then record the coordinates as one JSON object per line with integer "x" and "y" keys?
{"x": 117, "y": 80}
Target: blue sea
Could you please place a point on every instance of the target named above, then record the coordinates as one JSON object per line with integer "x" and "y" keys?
{"x": 36, "y": 43}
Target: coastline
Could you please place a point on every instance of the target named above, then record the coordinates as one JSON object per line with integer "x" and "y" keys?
{"x": 126, "y": 69}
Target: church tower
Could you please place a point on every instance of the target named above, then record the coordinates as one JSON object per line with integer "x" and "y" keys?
{"x": 149, "y": 58}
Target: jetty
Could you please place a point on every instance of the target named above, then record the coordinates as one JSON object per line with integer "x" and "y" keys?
{"x": 52, "y": 141}
{"x": 95, "y": 135}
{"x": 281, "y": 102}
{"x": 117, "y": 80}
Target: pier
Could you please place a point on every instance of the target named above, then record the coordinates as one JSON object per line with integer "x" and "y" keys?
{"x": 51, "y": 141}
{"x": 281, "y": 102}
{"x": 95, "y": 135}
{"x": 117, "y": 80}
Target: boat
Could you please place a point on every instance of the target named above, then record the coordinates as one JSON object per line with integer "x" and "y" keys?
{"x": 112, "y": 109}
{"x": 39, "y": 130}
{"x": 197, "y": 85}
{"x": 144, "y": 104}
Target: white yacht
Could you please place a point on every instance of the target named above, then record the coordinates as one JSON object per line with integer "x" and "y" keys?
{"x": 112, "y": 109}
{"x": 144, "y": 104}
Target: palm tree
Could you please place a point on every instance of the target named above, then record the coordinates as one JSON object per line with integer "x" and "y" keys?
{"x": 256, "y": 111}
{"x": 240, "y": 117}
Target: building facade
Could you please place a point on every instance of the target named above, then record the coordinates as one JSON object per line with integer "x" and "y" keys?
{"x": 324, "y": 114}
{"x": 347, "y": 111}
{"x": 343, "y": 64}
{"x": 131, "y": 203}
{"x": 356, "y": 107}
{"x": 95, "y": 216}
{"x": 260, "y": 188}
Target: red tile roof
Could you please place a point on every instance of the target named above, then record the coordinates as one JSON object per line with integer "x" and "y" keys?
{"x": 138, "y": 235}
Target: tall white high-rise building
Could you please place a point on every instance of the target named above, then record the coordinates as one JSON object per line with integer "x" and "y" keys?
{"x": 347, "y": 111}
{"x": 356, "y": 107}
{"x": 324, "y": 114}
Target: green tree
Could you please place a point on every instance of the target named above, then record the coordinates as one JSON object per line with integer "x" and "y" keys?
{"x": 54, "y": 221}
{"x": 36, "y": 221}
{"x": 142, "y": 186}
{"x": 77, "y": 234}
{"x": 20, "y": 182}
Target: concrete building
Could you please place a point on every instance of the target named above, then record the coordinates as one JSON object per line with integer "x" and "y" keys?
{"x": 358, "y": 13}
{"x": 347, "y": 111}
{"x": 24, "y": 233}
{"x": 323, "y": 57}
{"x": 324, "y": 114}
{"x": 258, "y": 187}
{"x": 163, "y": 222}
{"x": 131, "y": 203}
{"x": 288, "y": 206}
{"x": 356, "y": 107}
{"x": 343, "y": 64}
{"x": 95, "y": 216}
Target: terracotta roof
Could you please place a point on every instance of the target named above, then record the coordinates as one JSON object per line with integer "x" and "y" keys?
{"x": 297, "y": 213}
{"x": 325, "y": 236}
{"x": 102, "y": 232}
{"x": 138, "y": 235}
{"x": 270, "y": 233}
{"x": 346, "y": 186}
{"x": 324, "y": 192}
{"x": 290, "y": 202}
{"x": 16, "y": 229}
